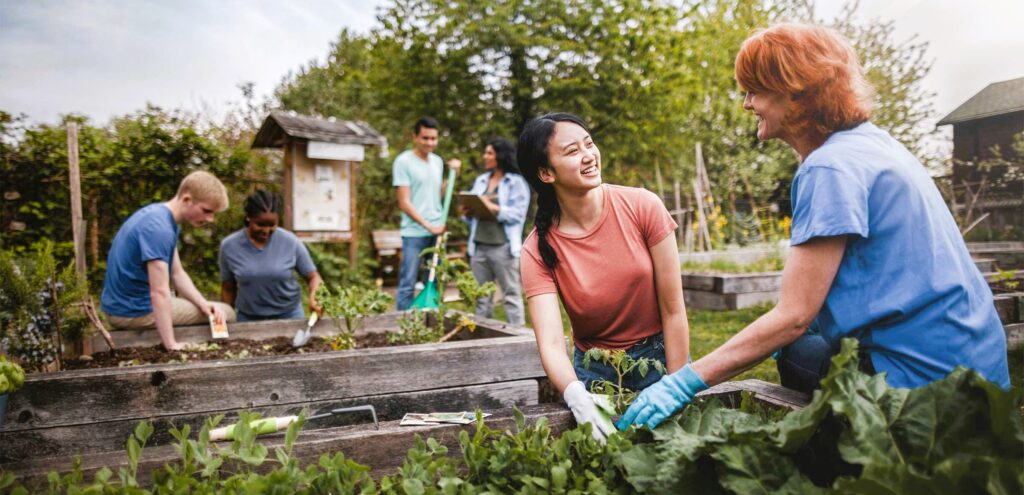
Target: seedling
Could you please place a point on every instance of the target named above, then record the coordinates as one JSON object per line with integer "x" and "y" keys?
{"x": 351, "y": 305}
{"x": 622, "y": 364}
{"x": 413, "y": 329}
{"x": 414, "y": 326}
{"x": 1008, "y": 278}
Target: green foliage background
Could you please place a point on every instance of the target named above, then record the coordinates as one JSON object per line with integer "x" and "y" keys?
{"x": 652, "y": 78}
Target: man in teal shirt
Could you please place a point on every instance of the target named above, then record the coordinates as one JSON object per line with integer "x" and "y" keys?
{"x": 417, "y": 175}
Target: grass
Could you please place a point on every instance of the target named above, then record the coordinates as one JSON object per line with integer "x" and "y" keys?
{"x": 710, "y": 329}
{"x": 771, "y": 263}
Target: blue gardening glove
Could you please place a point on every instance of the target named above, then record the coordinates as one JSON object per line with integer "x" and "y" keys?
{"x": 660, "y": 400}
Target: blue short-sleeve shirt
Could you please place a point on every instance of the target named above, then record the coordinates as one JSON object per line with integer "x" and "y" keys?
{"x": 265, "y": 278}
{"x": 149, "y": 234}
{"x": 906, "y": 286}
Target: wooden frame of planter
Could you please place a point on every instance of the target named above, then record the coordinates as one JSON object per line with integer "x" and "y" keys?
{"x": 385, "y": 449}
{"x": 728, "y": 291}
{"x": 1011, "y": 312}
{"x": 94, "y": 410}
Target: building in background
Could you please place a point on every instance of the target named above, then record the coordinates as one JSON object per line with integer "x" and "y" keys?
{"x": 988, "y": 162}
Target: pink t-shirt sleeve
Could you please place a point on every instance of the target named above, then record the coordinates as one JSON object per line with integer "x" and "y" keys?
{"x": 655, "y": 221}
{"x": 537, "y": 278}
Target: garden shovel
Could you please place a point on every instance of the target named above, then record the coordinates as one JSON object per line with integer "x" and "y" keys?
{"x": 302, "y": 336}
{"x": 429, "y": 298}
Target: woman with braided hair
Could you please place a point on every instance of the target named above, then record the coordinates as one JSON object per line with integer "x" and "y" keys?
{"x": 257, "y": 265}
{"x": 609, "y": 254}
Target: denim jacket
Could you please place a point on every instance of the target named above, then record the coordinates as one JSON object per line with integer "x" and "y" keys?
{"x": 514, "y": 200}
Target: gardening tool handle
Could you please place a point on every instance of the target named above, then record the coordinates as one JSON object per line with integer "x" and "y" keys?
{"x": 449, "y": 189}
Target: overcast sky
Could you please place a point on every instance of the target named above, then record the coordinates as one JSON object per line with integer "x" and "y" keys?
{"x": 104, "y": 58}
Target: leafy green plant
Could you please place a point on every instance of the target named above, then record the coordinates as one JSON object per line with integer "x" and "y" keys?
{"x": 12, "y": 377}
{"x": 415, "y": 328}
{"x": 961, "y": 434}
{"x": 40, "y": 307}
{"x": 623, "y": 364}
{"x": 1007, "y": 277}
{"x": 351, "y": 305}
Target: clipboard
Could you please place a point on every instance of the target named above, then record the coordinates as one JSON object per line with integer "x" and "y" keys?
{"x": 476, "y": 206}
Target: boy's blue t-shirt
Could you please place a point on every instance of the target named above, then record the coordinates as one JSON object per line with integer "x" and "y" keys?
{"x": 149, "y": 234}
{"x": 906, "y": 286}
{"x": 265, "y": 277}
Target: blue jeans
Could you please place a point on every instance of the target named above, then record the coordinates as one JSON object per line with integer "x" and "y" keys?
{"x": 408, "y": 271}
{"x": 296, "y": 314}
{"x": 652, "y": 347}
{"x": 804, "y": 362}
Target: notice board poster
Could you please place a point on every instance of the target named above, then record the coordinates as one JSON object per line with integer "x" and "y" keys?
{"x": 321, "y": 195}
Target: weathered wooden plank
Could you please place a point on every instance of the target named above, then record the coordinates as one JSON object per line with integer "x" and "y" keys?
{"x": 1010, "y": 307}
{"x": 698, "y": 281}
{"x": 385, "y": 449}
{"x": 984, "y": 247}
{"x": 732, "y": 283}
{"x": 985, "y": 265}
{"x": 769, "y": 393}
{"x": 104, "y": 436}
{"x": 1014, "y": 336}
{"x": 714, "y": 301}
{"x": 258, "y": 330}
{"x": 740, "y": 283}
{"x": 85, "y": 396}
{"x": 702, "y": 299}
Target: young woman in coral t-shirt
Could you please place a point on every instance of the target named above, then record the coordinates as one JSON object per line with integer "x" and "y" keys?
{"x": 609, "y": 254}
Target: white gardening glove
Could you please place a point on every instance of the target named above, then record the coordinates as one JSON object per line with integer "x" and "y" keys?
{"x": 586, "y": 407}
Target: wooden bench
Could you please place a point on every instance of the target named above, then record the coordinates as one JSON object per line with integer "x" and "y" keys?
{"x": 388, "y": 244}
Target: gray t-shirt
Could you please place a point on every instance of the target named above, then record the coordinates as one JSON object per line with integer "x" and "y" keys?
{"x": 265, "y": 279}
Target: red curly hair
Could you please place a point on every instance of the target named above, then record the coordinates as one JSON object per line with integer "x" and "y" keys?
{"x": 816, "y": 68}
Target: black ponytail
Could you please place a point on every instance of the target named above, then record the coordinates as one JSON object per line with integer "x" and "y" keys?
{"x": 261, "y": 201}
{"x": 533, "y": 156}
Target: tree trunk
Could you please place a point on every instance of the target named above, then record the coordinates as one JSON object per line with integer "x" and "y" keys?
{"x": 521, "y": 88}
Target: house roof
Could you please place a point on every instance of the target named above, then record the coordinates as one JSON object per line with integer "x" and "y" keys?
{"x": 280, "y": 124}
{"x": 996, "y": 99}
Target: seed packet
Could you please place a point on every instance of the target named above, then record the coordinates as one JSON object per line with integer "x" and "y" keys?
{"x": 218, "y": 329}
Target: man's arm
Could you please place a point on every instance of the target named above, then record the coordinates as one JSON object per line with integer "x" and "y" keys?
{"x": 405, "y": 204}
{"x": 160, "y": 296}
{"x": 185, "y": 287}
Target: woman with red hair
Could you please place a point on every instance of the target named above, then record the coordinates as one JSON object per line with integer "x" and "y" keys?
{"x": 875, "y": 254}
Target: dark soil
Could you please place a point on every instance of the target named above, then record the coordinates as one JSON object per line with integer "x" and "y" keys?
{"x": 226, "y": 349}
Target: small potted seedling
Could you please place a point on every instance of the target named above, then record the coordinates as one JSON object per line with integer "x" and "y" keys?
{"x": 11, "y": 379}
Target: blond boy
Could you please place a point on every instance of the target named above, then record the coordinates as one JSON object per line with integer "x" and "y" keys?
{"x": 143, "y": 261}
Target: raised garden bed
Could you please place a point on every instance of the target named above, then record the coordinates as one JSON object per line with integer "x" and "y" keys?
{"x": 728, "y": 291}
{"x": 1007, "y": 255}
{"x": 385, "y": 449}
{"x": 1010, "y": 307}
{"x": 93, "y": 410}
